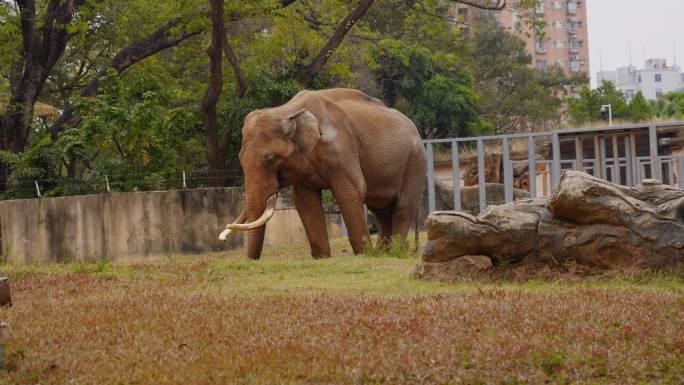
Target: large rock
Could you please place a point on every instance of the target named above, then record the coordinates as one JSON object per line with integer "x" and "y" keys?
{"x": 586, "y": 220}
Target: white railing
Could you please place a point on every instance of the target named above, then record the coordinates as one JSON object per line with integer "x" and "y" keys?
{"x": 621, "y": 154}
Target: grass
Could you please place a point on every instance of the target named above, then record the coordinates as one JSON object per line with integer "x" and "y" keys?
{"x": 289, "y": 319}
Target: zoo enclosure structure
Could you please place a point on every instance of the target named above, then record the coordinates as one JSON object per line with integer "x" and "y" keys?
{"x": 529, "y": 164}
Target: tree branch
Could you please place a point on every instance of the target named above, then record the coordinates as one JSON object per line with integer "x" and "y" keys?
{"x": 314, "y": 68}
{"x": 158, "y": 41}
{"x": 240, "y": 79}
{"x": 484, "y": 4}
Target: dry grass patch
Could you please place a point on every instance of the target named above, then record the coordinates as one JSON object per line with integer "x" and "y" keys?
{"x": 289, "y": 319}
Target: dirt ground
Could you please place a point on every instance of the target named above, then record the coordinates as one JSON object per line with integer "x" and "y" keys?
{"x": 288, "y": 319}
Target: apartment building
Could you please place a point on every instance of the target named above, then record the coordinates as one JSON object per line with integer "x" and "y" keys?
{"x": 566, "y": 40}
{"x": 654, "y": 80}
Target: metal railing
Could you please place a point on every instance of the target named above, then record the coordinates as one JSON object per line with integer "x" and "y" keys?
{"x": 622, "y": 154}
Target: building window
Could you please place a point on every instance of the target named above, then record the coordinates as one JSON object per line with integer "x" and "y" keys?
{"x": 541, "y": 65}
{"x": 658, "y": 78}
{"x": 572, "y": 7}
{"x": 556, "y": 5}
{"x": 575, "y": 46}
{"x": 540, "y": 7}
{"x": 682, "y": 78}
{"x": 629, "y": 95}
{"x": 541, "y": 46}
{"x": 659, "y": 92}
{"x": 575, "y": 65}
{"x": 639, "y": 78}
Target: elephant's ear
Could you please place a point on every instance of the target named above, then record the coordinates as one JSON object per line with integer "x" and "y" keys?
{"x": 302, "y": 127}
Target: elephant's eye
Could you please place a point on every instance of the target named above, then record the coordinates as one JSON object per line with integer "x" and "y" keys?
{"x": 270, "y": 160}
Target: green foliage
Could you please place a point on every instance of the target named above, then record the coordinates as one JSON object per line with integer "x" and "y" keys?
{"x": 639, "y": 109}
{"x": 670, "y": 106}
{"x": 513, "y": 96}
{"x": 134, "y": 127}
{"x": 395, "y": 249}
{"x": 148, "y": 120}
{"x": 587, "y": 107}
{"x": 429, "y": 87}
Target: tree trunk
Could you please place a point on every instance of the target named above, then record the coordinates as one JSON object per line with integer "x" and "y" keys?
{"x": 42, "y": 45}
{"x": 215, "y": 151}
{"x": 586, "y": 220}
{"x": 240, "y": 80}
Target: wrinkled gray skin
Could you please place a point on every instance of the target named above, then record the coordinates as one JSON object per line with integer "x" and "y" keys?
{"x": 337, "y": 139}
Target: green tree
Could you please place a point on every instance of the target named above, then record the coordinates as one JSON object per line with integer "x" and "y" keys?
{"x": 131, "y": 77}
{"x": 670, "y": 106}
{"x": 513, "y": 96}
{"x": 52, "y": 48}
{"x": 587, "y": 107}
{"x": 639, "y": 109}
{"x": 430, "y": 88}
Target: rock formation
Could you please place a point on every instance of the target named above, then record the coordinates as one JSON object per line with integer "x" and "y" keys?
{"x": 586, "y": 220}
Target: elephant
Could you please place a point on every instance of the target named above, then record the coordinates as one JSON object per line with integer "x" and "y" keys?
{"x": 338, "y": 139}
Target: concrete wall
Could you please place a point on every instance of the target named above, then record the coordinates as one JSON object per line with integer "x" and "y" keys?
{"x": 286, "y": 227}
{"x": 132, "y": 225}
{"x": 118, "y": 226}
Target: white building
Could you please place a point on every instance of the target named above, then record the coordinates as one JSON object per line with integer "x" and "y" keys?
{"x": 655, "y": 80}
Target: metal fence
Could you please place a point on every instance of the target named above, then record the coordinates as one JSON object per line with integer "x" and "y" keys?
{"x": 27, "y": 188}
{"x": 620, "y": 154}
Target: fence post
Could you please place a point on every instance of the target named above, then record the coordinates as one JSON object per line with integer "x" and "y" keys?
{"x": 532, "y": 165}
{"x": 482, "y": 185}
{"x": 456, "y": 175}
{"x": 653, "y": 146}
{"x": 579, "y": 154}
{"x": 598, "y": 171}
{"x": 556, "y": 162}
{"x": 680, "y": 172}
{"x": 184, "y": 185}
{"x": 629, "y": 159}
{"x": 431, "y": 178}
{"x": 37, "y": 188}
{"x": 107, "y": 182}
{"x": 508, "y": 171}
{"x": 616, "y": 161}
{"x": 602, "y": 150}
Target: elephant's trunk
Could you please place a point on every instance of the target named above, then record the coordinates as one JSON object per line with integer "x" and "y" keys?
{"x": 259, "y": 211}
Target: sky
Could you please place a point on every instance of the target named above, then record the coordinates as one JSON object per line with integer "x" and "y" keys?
{"x": 653, "y": 27}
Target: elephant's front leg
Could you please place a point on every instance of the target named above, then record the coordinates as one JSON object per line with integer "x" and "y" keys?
{"x": 310, "y": 208}
{"x": 350, "y": 199}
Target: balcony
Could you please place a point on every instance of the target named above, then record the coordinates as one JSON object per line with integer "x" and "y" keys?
{"x": 575, "y": 46}
{"x": 540, "y": 47}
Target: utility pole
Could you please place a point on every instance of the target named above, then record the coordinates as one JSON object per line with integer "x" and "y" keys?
{"x": 609, "y": 108}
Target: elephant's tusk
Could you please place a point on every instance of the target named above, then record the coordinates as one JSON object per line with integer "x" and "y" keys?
{"x": 225, "y": 233}
{"x": 262, "y": 220}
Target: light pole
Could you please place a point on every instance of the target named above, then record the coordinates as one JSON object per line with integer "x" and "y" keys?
{"x": 608, "y": 107}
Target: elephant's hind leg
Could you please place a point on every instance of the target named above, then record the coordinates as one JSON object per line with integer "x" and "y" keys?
{"x": 384, "y": 217}
{"x": 410, "y": 195}
{"x": 310, "y": 208}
